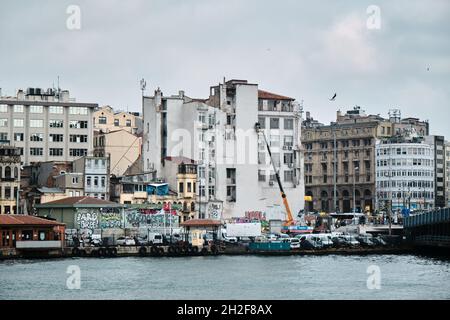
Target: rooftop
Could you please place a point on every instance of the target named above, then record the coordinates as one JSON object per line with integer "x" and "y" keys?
{"x": 87, "y": 202}
{"x": 272, "y": 96}
{"x": 21, "y": 220}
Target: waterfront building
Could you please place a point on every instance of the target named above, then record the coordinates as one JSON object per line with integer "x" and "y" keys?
{"x": 46, "y": 125}
{"x": 106, "y": 120}
{"x": 83, "y": 213}
{"x": 218, "y": 134}
{"x": 447, "y": 173}
{"x": 96, "y": 173}
{"x": 122, "y": 147}
{"x": 405, "y": 173}
{"x": 352, "y": 137}
{"x": 439, "y": 160}
{"x": 27, "y": 233}
{"x": 9, "y": 178}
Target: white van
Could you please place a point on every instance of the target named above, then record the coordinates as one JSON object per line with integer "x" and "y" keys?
{"x": 325, "y": 238}
{"x": 155, "y": 238}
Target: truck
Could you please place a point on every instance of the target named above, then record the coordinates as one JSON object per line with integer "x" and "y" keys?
{"x": 240, "y": 230}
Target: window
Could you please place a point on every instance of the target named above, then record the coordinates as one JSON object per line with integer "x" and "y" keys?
{"x": 274, "y": 123}
{"x": 275, "y": 141}
{"x": 56, "y": 110}
{"x": 261, "y": 175}
{"x": 3, "y": 108}
{"x": 289, "y": 176}
{"x": 80, "y": 138}
{"x": 36, "y": 151}
{"x": 3, "y": 136}
{"x": 74, "y": 180}
{"x": 262, "y": 122}
{"x": 37, "y": 137}
{"x": 102, "y": 120}
{"x": 18, "y": 109}
{"x": 88, "y": 181}
{"x": 36, "y": 123}
{"x": 3, "y": 122}
{"x": 103, "y": 181}
{"x": 116, "y": 122}
{"x": 77, "y": 152}
{"x": 189, "y": 187}
{"x": 201, "y": 191}
{"x": 78, "y": 110}
{"x": 128, "y": 123}
{"x": 288, "y": 124}
{"x": 202, "y": 117}
{"x": 56, "y": 137}
{"x": 55, "y": 152}
{"x": 95, "y": 181}
{"x": 211, "y": 191}
{"x": 288, "y": 158}
{"x": 18, "y": 123}
{"x": 18, "y": 136}
{"x": 56, "y": 123}
{"x": 36, "y": 109}
{"x": 75, "y": 124}
{"x": 288, "y": 141}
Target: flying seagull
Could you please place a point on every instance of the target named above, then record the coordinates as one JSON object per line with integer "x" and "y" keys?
{"x": 334, "y": 97}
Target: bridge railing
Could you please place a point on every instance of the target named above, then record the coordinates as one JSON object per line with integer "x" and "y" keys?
{"x": 427, "y": 218}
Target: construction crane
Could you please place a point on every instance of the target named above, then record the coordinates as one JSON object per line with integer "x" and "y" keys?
{"x": 290, "y": 220}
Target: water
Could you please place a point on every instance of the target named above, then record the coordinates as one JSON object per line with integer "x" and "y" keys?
{"x": 229, "y": 277}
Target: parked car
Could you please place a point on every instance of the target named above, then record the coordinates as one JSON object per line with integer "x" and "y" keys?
{"x": 351, "y": 240}
{"x": 96, "y": 240}
{"x": 295, "y": 243}
{"x": 365, "y": 241}
{"x": 283, "y": 237}
{"x": 339, "y": 242}
{"x": 125, "y": 241}
{"x": 272, "y": 237}
{"x": 378, "y": 241}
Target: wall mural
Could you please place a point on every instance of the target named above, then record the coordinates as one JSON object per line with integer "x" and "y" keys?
{"x": 215, "y": 210}
{"x": 111, "y": 220}
{"x": 87, "y": 219}
{"x": 150, "y": 218}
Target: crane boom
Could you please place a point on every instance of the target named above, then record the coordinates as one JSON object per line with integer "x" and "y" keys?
{"x": 290, "y": 219}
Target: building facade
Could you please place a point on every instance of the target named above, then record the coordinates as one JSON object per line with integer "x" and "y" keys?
{"x": 447, "y": 173}
{"x": 9, "y": 179}
{"x": 405, "y": 171}
{"x": 122, "y": 147}
{"x": 106, "y": 120}
{"x": 46, "y": 125}
{"x": 219, "y": 135}
{"x": 347, "y": 184}
{"x": 440, "y": 177}
{"x": 95, "y": 171}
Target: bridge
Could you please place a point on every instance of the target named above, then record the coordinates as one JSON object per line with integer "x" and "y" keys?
{"x": 429, "y": 229}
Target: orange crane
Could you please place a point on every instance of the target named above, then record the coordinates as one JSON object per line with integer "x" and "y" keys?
{"x": 290, "y": 220}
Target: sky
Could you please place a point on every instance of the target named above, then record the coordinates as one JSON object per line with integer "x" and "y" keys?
{"x": 396, "y": 57}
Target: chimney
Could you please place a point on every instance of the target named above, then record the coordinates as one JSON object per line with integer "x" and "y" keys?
{"x": 20, "y": 95}
{"x": 308, "y": 115}
{"x": 338, "y": 115}
{"x": 64, "y": 97}
{"x": 158, "y": 97}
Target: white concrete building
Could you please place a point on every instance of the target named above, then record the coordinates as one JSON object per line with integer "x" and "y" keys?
{"x": 95, "y": 176}
{"x": 46, "y": 125}
{"x": 219, "y": 135}
{"x": 405, "y": 174}
{"x": 447, "y": 173}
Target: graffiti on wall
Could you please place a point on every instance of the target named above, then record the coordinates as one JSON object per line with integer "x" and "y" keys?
{"x": 87, "y": 219}
{"x": 152, "y": 219}
{"x": 215, "y": 210}
{"x": 111, "y": 220}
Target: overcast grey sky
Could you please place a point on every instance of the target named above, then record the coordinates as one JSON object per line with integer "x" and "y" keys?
{"x": 304, "y": 49}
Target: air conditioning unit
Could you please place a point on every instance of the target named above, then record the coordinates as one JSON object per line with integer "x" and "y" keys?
{"x": 271, "y": 183}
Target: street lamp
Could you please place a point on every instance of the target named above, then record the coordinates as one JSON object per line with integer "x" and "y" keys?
{"x": 354, "y": 189}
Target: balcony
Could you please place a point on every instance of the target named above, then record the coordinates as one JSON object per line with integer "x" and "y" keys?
{"x": 51, "y": 244}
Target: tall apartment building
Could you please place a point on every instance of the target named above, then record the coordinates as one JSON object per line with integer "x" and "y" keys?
{"x": 352, "y": 137}
{"x": 9, "y": 178}
{"x": 46, "y": 125}
{"x": 405, "y": 168}
{"x": 447, "y": 173}
{"x": 440, "y": 178}
{"x": 218, "y": 134}
{"x": 106, "y": 120}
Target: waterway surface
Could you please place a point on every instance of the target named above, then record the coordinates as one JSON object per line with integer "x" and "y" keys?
{"x": 230, "y": 277}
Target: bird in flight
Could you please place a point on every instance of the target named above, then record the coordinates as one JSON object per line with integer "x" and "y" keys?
{"x": 334, "y": 97}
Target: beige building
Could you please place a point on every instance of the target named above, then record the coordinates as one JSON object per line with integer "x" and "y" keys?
{"x": 9, "y": 178}
{"x": 106, "y": 120}
{"x": 121, "y": 146}
{"x": 354, "y": 134}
